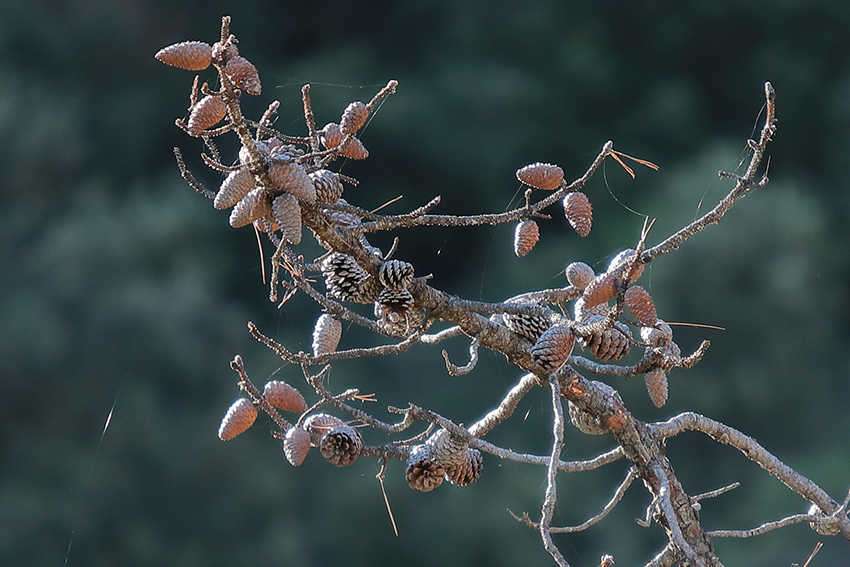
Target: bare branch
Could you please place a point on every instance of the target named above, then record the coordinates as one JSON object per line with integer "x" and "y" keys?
{"x": 550, "y": 495}
{"x": 467, "y": 368}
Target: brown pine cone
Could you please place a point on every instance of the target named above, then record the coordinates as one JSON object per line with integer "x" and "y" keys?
{"x": 283, "y": 396}
{"x": 327, "y": 185}
{"x": 239, "y": 417}
{"x": 468, "y": 470}
{"x": 291, "y": 177}
{"x": 611, "y": 344}
{"x": 331, "y": 136}
{"x": 396, "y": 274}
{"x": 318, "y": 424}
{"x": 353, "y": 118}
{"x": 189, "y": 55}
{"x": 579, "y": 274}
{"x": 286, "y": 213}
{"x": 422, "y": 473}
{"x": 326, "y": 335}
{"x": 526, "y": 235}
{"x": 640, "y": 304}
{"x": 527, "y": 326}
{"x": 341, "y": 445}
{"x": 553, "y": 348}
{"x": 579, "y": 212}
{"x": 234, "y": 187}
{"x": 244, "y": 75}
{"x": 600, "y": 290}
{"x": 255, "y": 205}
{"x": 296, "y": 444}
{"x": 656, "y": 385}
{"x": 343, "y": 276}
{"x": 206, "y": 113}
{"x": 541, "y": 175}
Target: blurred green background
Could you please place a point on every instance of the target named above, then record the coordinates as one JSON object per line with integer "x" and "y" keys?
{"x": 124, "y": 293}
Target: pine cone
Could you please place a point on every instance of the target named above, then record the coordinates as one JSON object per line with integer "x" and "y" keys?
{"x": 579, "y": 212}
{"x": 527, "y": 326}
{"x": 326, "y": 335}
{"x": 396, "y": 274}
{"x": 468, "y": 470}
{"x": 600, "y": 290}
{"x": 206, "y": 113}
{"x": 318, "y": 424}
{"x": 656, "y": 385}
{"x": 622, "y": 261}
{"x": 659, "y": 335}
{"x": 445, "y": 449}
{"x": 579, "y": 274}
{"x": 234, "y": 187}
{"x": 355, "y": 150}
{"x": 396, "y": 312}
{"x": 353, "y": 118}
{"x": 611, "y": 344}
{"x": 422, "y": 473}
{"x": 640, "y": 304}
{"x": 331, "y": 135}
{"x": 291, "y": 177}
{"x": 526, "y": 235}
{"x": 553, "y": 348}
{"x": 341, "y": 445}
{"x": 296, "y": 444}
{"x": 239, "y": 417}
{"x": 343, "y": 276}
{"x": 255, "y": 205}
{"x": 541, "y": 175}
{"x": 283, "y": 396}
{"x": 189, "y": 55}
{"x": 286, "y": 212}
{"x": 244, "y": 75}
{"x": 327, "y": 185}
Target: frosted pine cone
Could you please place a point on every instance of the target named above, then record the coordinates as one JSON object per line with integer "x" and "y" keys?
{"x": 422, "y": 472}
{"x": 468, "y": 470}
{"x": 234, "y": 187}
{"x": 318, "y": 424}
{"x": 446, "y": 450}
{"x": 286, "y": 212}
{"x": 579, "y": 274}
{"x": 369, "y": 291}
{"x": 611, "y": 344}
{"x": 343, "y": 276}
{"x": 283, "y": 396}
{"x": 526, "y": 235}
{"x": 640, "y": 304}
{"x": 541, "y": 175}
{"x": 600, "y": 290}
{"x": 341, "y": 445}
{"x": 326, "y": 335}
{"x": 189, "y": 55}
{"x": 659, "y": 335}
{"x": 255, "y": 205}
{"x": 553, "y": 348}
{"x": 244, "y": 75}
{"x": 582, "y": 313}
{"x": 579, "y": 212}
{"x": 327, "y": 185}
{"x": 331, "y": 135}
{"x": 239, "y": 417}
{"x": 353, "y": 118}
{"x": 527, "y": 326}
{"x": 354, "y": 149}
{"x": 296, "y": 444}
{"x": 206, "y": 113}
{"x": 656, "y": 385}
{"x": 621, "y": 263}
{"x": 396, "y": 274}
